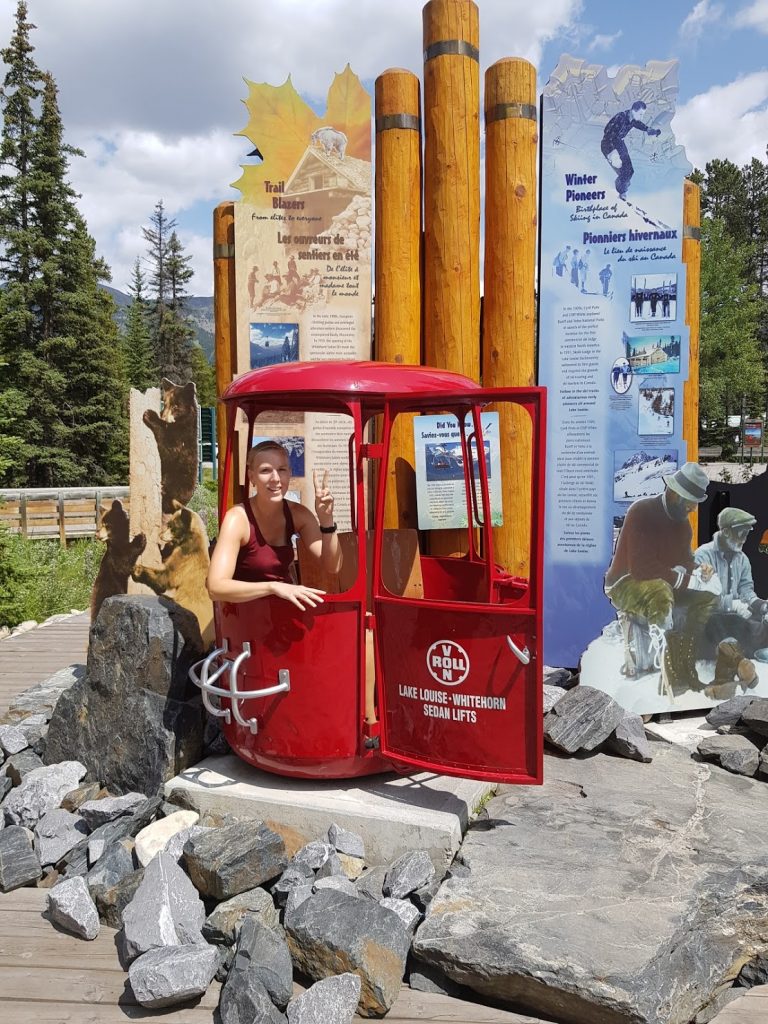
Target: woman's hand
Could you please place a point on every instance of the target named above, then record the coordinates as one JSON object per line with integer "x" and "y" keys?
{"x": 323, "y": 498}
{"x": 302, "y": 597}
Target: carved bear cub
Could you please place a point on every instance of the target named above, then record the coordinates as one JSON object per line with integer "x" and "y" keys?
{"x": 175, "y": 431}
{"x": 119, "y": 558}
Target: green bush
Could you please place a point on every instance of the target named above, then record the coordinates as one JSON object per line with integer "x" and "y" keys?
{"x": 205, "y": 502}
{"x": 39, "y": 578}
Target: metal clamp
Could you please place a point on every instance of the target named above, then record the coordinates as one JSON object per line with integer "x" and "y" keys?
{"x": 200, "y": 675}
{"x": 205, "y": 681}
{"x": 523, "y": 656}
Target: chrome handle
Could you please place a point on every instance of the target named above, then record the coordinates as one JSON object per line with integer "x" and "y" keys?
{"x": 249, "y": 723}
{"x": 205, "y": 681}
{"x": 523, "y": 656}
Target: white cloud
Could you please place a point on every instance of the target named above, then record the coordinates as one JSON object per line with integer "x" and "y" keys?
{"x": 754, "y": 15}
{"x": 604, "y": 42}
{"x": 726, "y": 121}
{"x": 703, "y": 13}
{"x": 153, "y": 91}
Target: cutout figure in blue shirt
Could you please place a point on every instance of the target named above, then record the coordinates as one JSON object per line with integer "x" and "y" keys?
{"x": 617, "y": 129}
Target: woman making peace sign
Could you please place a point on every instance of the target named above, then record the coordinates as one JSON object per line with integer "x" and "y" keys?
{"x": 254, "y": 555}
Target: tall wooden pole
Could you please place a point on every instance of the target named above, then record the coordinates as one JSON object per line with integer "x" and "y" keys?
{"x": 511, "y": 138}
{"x": 692, "y": 260}
{"x": 451, "y": 200}
{"x": 452, "y": 186}
{"x": 225, "y": 320}
{"x": 398, "y": 264}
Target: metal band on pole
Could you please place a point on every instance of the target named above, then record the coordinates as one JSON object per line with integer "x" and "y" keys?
{"x": 689, "y": 231}
{"x": 502, "y": 111}
{"x": 455, "y": 47}
{"x": 223, "y": 251}
{"x": 387, "y": 122}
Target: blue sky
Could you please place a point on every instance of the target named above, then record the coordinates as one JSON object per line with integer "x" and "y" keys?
{"x": 153, "y": 91}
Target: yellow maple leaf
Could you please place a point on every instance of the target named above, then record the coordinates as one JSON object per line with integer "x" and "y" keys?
{"x": 349, "y": 110}
{"x": 280, "y": 124}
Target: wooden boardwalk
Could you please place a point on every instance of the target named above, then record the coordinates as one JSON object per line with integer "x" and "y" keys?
{"x": 49, "y": 977}
{"x": 31, "y": 657}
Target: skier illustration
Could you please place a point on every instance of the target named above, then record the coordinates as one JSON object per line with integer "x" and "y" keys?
{"x": 614, "y": 134}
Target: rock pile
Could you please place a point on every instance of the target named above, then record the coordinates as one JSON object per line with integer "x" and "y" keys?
{"x": 354, "y": 225}
{"x": 740, "y": 744}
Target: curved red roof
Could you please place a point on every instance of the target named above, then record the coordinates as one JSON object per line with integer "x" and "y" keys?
{"x": 291, "y": 381}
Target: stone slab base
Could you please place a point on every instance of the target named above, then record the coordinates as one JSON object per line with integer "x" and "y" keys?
{"x": 393, "y": 813}
{"x": 686, "y": 730}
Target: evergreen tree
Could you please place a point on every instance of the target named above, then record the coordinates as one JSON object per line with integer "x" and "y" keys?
{"x": 169, "y": 274}
{"x": 57, "y": 334}
{"x": 204, "y": 376}
{"x": 137, "y": 344}
{"x": 731, "y": 362}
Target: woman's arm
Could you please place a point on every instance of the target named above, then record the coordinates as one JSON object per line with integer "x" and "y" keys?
{"x": 221, "y": 586}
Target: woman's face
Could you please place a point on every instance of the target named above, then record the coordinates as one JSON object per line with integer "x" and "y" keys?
{"x": 270, "y": 475}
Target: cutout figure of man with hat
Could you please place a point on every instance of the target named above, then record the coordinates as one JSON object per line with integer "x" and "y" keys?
{"x": 654, "y": 572}
{"x": 738, "y": 627}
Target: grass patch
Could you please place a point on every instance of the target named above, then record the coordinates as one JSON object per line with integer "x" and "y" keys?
{"x": 39, "y": 578}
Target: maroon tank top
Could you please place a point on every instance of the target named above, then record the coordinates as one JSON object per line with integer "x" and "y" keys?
{"x": 259, "y": 562}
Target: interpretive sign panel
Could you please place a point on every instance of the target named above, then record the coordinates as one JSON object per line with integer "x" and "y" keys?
{"x": 613, "y": 345}
{"x": 303, "y": 254}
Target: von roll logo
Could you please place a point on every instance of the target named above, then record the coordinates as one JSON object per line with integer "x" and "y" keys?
{"x": 448, "y": 662}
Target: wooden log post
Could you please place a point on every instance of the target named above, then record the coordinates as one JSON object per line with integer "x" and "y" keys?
{"x": 511, "y": 138}
{"x": 397, "y": 334}
{"x": 692, "y": 260}
{"x": 225, "y": 320}
{"x": 451, "y": 199}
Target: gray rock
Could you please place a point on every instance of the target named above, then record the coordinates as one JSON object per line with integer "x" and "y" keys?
{"x": 753, "y": 973}
{"x": 175, "y": 845}
{"x": 310, "y": 858}
{"x": 18, "y": 766}
{"x": 230, "y": 860}
{"x": 338, "y": 882}
{"x": 155, "y": 837}
{"x": 755, "y": 716}
{"x": 371, "y": 883}
{"x": 115, "y": 863}
{"x": 346, "y": 842}
{"x": 615, "y": 892}
{"x": 332, "y": 868}
{"x": 426, "y": 978}
{"x": 19, "y": 863}
{"x": 730, "y": 711}
{"x": 552, "y": 695}
{"x": 56, "y": 833}
{"x": 41, "y": 699}
{"x": 734, "y": 753}
{"x": 223, "y": 924}
{"x": 70, "y": 906}
{"x": 244, "y": 1000}
{"x": 561, "y": 677}
{"x": 75, "y": 799}
{"x": 39, "y": 791}
{"x": 130, "y": 720}
{"x": 98, "y": 812}
{"x": 628, "y": 739}
{"x": 408, "y": 873}
{"x": 721, "y": 1000}
{"x": 290, "y": 879}
{"x": 332, "y": 928}
{"x": 12, "y": 740}
{"x": 165, "y": 977}
{"x": 127, "y": 827}
{"x": 332, "y": 1001}
{"x": 166, "y": 910}
{"x": 762, "y": 768}
{"x": 112, "y": 900}
{"x": 296, "y": 897}
{"x": 264, "y": 953}
{"x": 5, "y": 787}
{"x": 405, "y": 910}
{"x": 582, "y": 719}
{"x": 425, "y": 894}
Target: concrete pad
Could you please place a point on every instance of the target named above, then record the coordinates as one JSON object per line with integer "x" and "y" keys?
{"x": 393, "y": 813}
{"x": 686, "y": 730}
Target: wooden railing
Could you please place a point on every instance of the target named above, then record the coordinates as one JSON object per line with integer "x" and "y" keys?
{"x": 64, "y": 514}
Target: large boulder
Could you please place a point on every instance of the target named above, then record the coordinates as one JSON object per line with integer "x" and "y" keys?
{"x": 616, "y": 892}
{"x": 166, "y": 910}
{"x": 133, "y": 719}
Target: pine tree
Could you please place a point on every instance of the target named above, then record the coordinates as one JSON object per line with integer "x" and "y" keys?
{"x": 57, "y": 334}
{"x": 204, "y": 376}
{"x": 137, "y": 344}
{"x": 170, "y": 273}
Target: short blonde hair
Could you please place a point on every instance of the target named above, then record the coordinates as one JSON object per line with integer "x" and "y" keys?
{"x": 264, "y": 446}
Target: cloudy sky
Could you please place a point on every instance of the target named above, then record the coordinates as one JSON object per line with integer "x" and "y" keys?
{"x": 152, "y": 90}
